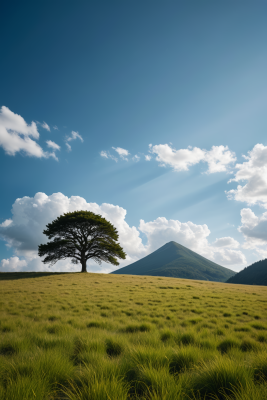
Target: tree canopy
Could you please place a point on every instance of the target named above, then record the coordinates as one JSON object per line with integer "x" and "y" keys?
{"x": 80, "y": 236}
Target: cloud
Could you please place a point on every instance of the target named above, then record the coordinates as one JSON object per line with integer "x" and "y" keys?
{"x": 6, "y": 223}
{"x": 32, "y": 214}
{"x": 229, "y": 257}
{"x": 106, "y": 154}
{"x": 218, "y": 158}
{"x": 68, "y": 147}
{"x": 194, "y": 237}
{"x": 55, "y": 127}
{"x": 136, "y": 158}
{"x": 253, "y": 228}
{"x": 123, "y": 153}
{"x": 53, "y": 145}
{"x": 147, "y": 157}
{"x": 12, "y": 264}
{"x": 226, "y": 242}
{"x": 45, "y": 126}
{"x": 179, "y": 160}
{"x": 74, "y": 136}
{"x": 253, "y": 175}
{"x": 15, "y": 135}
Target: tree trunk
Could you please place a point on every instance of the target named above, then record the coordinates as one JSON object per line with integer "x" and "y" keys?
{"x": 83, "y": 262}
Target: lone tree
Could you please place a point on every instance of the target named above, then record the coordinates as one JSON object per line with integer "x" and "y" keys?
{"x": 81, "y": 235}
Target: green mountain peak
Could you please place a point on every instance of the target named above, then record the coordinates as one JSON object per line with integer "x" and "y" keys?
{"x": 177, "y": 261}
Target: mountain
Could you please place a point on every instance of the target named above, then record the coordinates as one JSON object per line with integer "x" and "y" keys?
{"x": 255, "y": 274}
{"x": 175, "y": 260}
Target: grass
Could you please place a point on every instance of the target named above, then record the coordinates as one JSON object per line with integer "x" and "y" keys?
{"x": 102, "y": 337}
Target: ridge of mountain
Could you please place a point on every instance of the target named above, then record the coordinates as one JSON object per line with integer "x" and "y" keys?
{"x": 254, "y": 274}
{"x": 177, "y": 261}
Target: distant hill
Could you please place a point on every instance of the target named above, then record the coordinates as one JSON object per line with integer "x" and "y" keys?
{"x": 255, "y": 274}
{"x": 175, "y": 260}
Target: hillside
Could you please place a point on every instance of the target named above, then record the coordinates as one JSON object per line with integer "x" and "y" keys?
{"x": 255, "y": 274}
{"x": 176, "y": 261}
{"x": 78, "y": 336}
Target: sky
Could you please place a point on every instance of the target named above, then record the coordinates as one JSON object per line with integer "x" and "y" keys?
{"x": 150, "y": 113}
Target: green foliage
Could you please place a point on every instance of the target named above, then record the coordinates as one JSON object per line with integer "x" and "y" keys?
{"x": 255, "y": 274}
{"x": 81, "y": 235}
{"x": 220, "y": 376}
{"x": 227, "y": 344}
{"x": 184, "y": 359}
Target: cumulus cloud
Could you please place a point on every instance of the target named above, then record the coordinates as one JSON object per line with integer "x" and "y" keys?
{"x": 147, "y": 157}
{"x": 229, "y": 257}
{"x": 53, "y": 145}
{"x": 123, "y": 153}
{"x": 162, "y": 230}
{"x": 226, "y": 242}
{"x": 16, "y": 135}
{"x": 12, "y": 264}
{"x": 6, "y": 223}
{"x": 45, "y": 126}
{"x": 31, "y": 214}
{"x": 218, "y": 158}
{"x": 252, "y": 174}
{"x": 179, "y": 160}
{"x": 193, "y": 236}
{"x": 254, "y": 229}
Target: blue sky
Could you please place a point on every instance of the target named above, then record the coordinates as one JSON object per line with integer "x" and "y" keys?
{"x": 159, "y": 101}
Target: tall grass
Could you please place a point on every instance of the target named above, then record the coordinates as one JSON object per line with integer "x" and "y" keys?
{"x": 93, "y": 336}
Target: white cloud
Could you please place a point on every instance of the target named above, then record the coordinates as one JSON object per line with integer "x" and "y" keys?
{"x": 229, "y": 257}
{"x": 161, "y": 231}
{"x": 32, "y": 214}
{"x": 218, "y": 158}
{"x": 194, "y": 237}
{"x": 68, "y": 147}
{"x": 226, "y": 242}
{"x": 53, "y": 145}
{"x": 12, "y": 264}
{"x": 6, "y": 223}
{"x": 147, "y": 157}
{"x": 106, "y": 154}
{"x": 136, "y": 158}
{"x": 253, "y": 228}
{"x": 55, "y": 127}
{"x": 253, "y": 175}
{"x": 179, "y": 160}
{"x": 74, "y": 136}
{"x": 123, "y": 153}
{"x": 45, "y": 126}
{"x": 15, "y": 135}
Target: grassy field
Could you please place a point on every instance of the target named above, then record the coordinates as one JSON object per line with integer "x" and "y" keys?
{"x": 96, "y": 336}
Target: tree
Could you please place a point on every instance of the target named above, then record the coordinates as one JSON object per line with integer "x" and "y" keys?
{"x": 81, "y": 235}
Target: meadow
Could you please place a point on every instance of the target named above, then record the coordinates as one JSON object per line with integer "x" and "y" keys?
{"x": 114, "y": 337}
